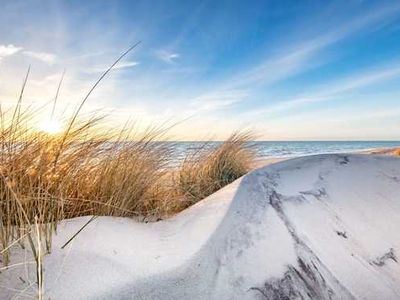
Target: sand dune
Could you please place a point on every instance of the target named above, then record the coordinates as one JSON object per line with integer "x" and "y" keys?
{"x": 317, "y": 227}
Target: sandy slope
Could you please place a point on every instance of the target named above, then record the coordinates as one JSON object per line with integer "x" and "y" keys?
{"x": 318, "y": 227}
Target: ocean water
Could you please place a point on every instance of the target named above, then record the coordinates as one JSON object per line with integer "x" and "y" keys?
{"x": 269, "y": 149}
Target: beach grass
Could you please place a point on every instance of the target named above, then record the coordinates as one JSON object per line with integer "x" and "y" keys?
{"x": 207, "y": 170}
{"x": 87, "y": 169}
{"x": 45, "y": 178}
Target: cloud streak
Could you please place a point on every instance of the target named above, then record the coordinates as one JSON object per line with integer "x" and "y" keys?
{"x": 218, "y": 100}
{"x": 333, "y": 89}
{"x": 120, "y": 66}
{"x": 297, "y": 58}
{"x": 8, "y": 50}
{"x": 45, "y": 57}
{"x": 167, "y": 57}
{"x": 207, "y": 62}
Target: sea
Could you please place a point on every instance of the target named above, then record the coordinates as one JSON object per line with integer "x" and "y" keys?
{"x": 281, "y": 149}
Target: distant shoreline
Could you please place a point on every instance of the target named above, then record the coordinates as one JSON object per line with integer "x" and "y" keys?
{"x": 262, "y": 162}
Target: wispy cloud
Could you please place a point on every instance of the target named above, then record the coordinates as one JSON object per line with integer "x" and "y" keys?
{"x": 220, "y": 65}
{"x": 366, "y": 123}
{"x": 48, "y": 58}
{"x": 8, "y": 50}
{"x": 298, "y": 58}
{"x": 332, "y": 90}
{"x": 119, "y": 66}
{"x": 125, "y": 65}
{"x": 218, "y": 99}
{"x": 166, "y": 56}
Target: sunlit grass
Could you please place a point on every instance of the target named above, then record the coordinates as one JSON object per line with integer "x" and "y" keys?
{"x": 69, "y": 166}
{"x": 209, "y": 169}
{"x": 82, "y": 170}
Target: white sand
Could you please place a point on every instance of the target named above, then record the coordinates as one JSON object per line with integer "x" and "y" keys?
{"x": 317, "y": 227}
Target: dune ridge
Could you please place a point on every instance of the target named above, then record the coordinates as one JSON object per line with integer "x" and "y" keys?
{"x": 316, "y": 227}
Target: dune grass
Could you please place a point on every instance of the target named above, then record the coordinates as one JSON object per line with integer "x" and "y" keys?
{"x": 46, "y": 178}
{"x": 209, "y": 169}
{"x": 83, "y": 171}
{"x": 88, "y": 170}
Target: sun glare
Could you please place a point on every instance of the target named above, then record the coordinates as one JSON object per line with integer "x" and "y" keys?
{"x": 50, "y": 126}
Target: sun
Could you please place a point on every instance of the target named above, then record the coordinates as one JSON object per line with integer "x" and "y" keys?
{"x": 50, "y": 126}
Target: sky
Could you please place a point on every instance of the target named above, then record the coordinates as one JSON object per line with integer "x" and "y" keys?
{"x": 288, "y": 70}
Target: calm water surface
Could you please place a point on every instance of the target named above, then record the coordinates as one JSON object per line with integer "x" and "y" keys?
{"x": 270, "y": 149}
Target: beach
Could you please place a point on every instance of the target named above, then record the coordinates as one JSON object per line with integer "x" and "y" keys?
{"x": 315, "y": 227}
{"x": 200, "y": 150}
{"x": 394, "y": 151}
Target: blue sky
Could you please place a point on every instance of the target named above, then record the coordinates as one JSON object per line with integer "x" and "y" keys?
{"x": 291, "y": 70}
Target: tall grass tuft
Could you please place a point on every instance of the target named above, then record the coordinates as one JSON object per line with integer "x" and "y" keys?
{"x": 88, "y": 170}
{"x": 46, "y": 178}
{"x": 209, "y": 169}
